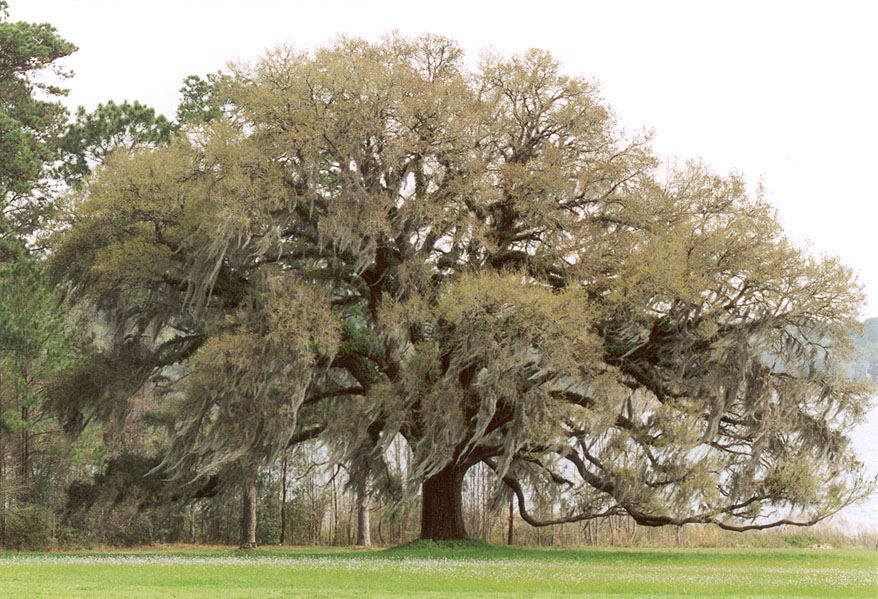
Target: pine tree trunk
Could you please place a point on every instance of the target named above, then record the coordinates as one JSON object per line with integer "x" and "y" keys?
{"x": 24, "y": 461}
{"x": 364, "y": 537}
{"x": 248, "y": 515}
{"x": 442, "y": 507}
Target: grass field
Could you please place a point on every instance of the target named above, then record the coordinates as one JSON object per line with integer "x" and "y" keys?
{"x": 436, "y": 571}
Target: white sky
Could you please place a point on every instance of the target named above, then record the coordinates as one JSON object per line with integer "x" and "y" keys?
{"x": 785, "y": 92}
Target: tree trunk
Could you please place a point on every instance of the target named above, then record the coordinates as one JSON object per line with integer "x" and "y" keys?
{"x": 283, "y": 502}
{"x": 2, "y": 488}
{"x": 333, "y": 531}
{"x": 364, "y": 537}
{"x": 442, "y": 508}
{"x": 24, "y": 461}
{"x": 248, "y": 515}
{"x": 511, "y": 530}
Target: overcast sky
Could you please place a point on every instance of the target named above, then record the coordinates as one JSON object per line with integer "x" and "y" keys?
{"x": 784, "y": 92}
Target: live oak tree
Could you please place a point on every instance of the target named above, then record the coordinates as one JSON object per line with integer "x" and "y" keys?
{"x": 372, "y": 240}
{"x": 236, "y": 413}
{"x": 715, "y": 396}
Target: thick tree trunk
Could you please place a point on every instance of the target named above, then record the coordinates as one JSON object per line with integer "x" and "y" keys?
{"x": 364, "y": 537}
{"x": 248, "y": 515}
{"x": 442, "y": 508}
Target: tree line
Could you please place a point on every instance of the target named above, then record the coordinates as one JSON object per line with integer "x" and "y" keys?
{"x": 373, "y": 248}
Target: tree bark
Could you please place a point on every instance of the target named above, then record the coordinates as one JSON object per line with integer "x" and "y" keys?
{"x": 283, "y": 501}
{"x": 333, "y": 540}
{"x": 248, "y": 515}
{"x": 24, "y": 461}
{"x": 364, "y": 537}
{"x": 2, "y": 488}
{"x": 442, "y": 508}
{"x": 511, "y": 529}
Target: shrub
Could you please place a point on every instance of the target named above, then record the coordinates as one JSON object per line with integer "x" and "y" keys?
{"x": 29, "y": 526}
{"x": 801, "y": 540}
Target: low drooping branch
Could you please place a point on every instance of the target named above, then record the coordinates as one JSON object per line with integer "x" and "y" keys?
{"x": 626, "y": 507}
{"x": 515, "y": 486}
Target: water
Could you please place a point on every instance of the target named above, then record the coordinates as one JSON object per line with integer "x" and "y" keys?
{"x": 864, "y": 517}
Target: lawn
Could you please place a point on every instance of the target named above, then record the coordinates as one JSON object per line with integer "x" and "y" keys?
{"x": 436, "y": 571}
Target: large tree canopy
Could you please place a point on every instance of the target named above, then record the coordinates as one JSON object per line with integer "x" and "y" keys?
{"x": 484, "y": 263}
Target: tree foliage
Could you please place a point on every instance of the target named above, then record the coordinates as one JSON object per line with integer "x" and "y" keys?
{"x": 36, "y": 342}
{"x": 483, "y": 262}
{"x": 33, "y": 337}
{"x": 201, "y": 100}
{"x": 31, "y": 118}
{"x": 91, "y": 138}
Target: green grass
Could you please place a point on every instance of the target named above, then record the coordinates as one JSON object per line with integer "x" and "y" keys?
{"x": 462, "y": 570}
